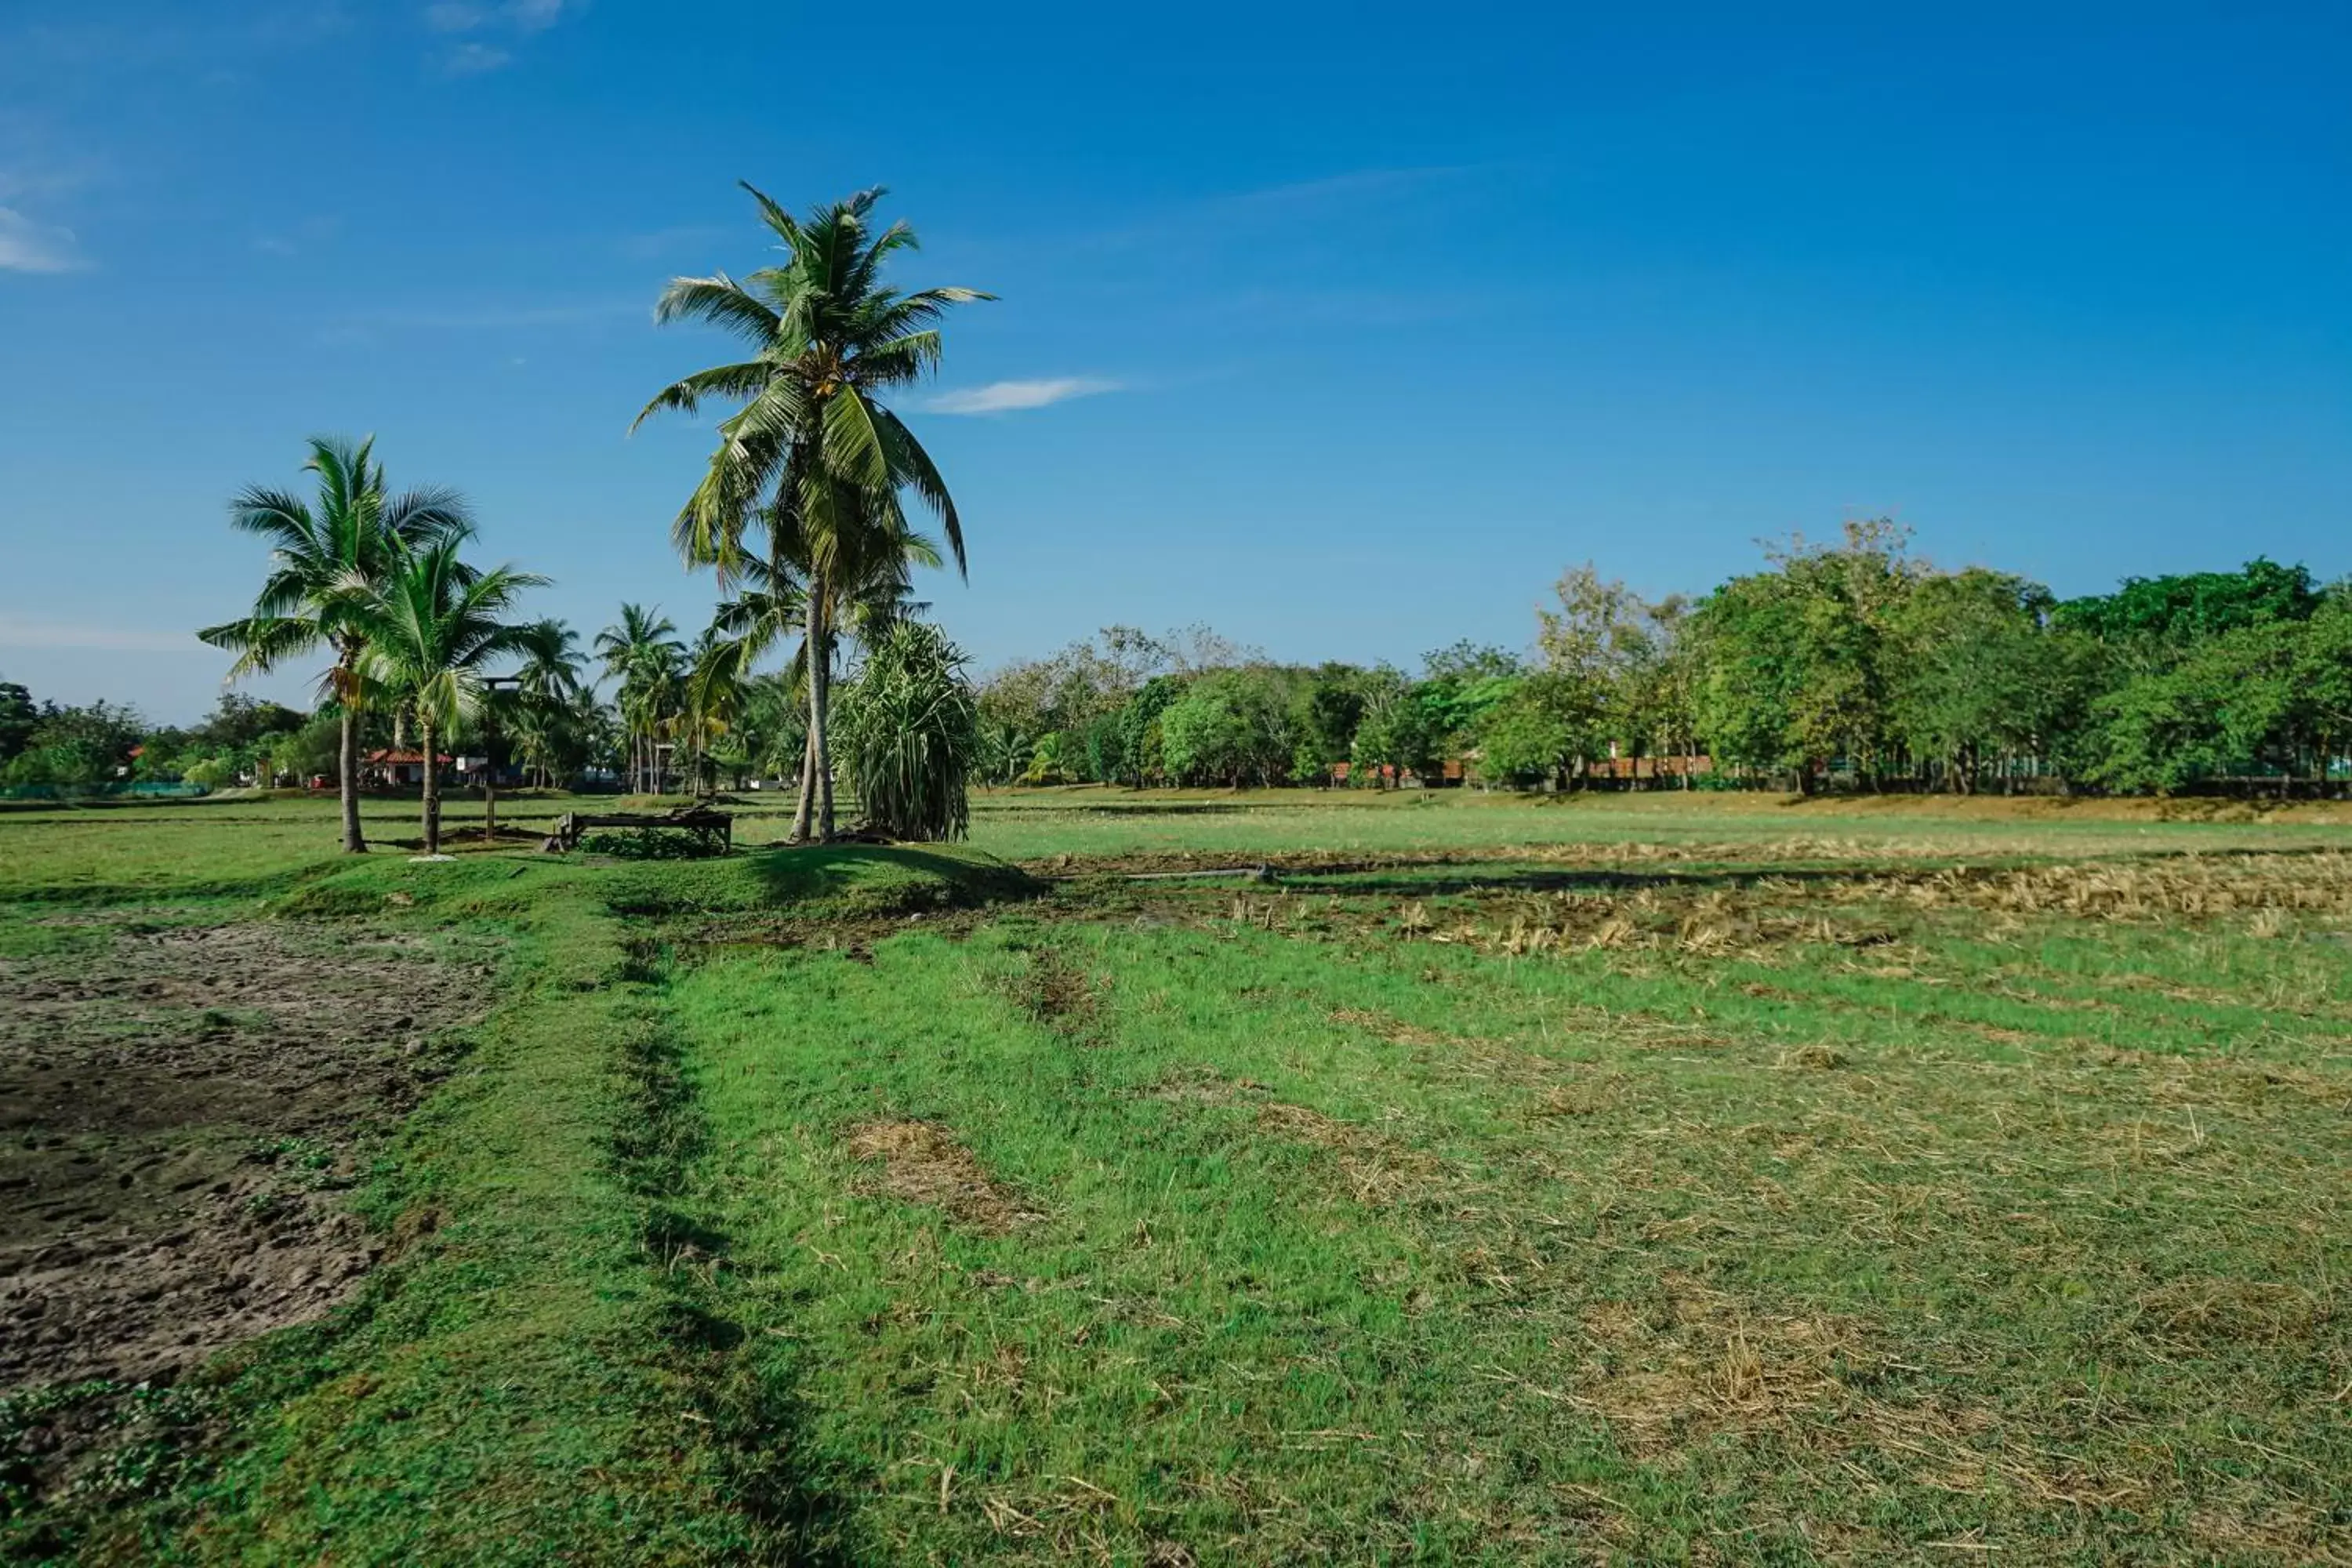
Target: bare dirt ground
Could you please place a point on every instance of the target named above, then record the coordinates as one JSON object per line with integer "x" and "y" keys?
{"x": 178, "y": 1106}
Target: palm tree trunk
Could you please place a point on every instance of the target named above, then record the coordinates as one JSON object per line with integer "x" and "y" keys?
{"x": 348, "y": 764}
{"x": 803, "y": 813}
{"x": 347, "y": 760}
{"x": 821, "y": 688}
{"x": 432, "y": 792}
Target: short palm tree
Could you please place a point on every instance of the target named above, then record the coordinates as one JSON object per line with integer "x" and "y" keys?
{"x": 643, "y": 651}
{"x": 717, "y": 683}
{"x": 431, "y": 628}
{"x": 327, "y": 557}
{"x": 813, "y": 453}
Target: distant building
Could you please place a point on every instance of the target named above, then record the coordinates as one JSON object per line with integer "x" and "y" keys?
{"x": 395, "y": 769}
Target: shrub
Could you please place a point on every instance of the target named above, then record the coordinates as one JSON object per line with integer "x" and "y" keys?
{"x": 651, "y": 844}
{"x": 910, "y": 735}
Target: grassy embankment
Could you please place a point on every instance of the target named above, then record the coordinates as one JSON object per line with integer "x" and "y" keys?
{"x": 517, "y": 1381}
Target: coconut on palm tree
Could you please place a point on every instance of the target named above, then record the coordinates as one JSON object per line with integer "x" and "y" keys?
{"x": 814, "y": 454}
{"x": 327, "y": 558}
{"x": 432, "y": 627}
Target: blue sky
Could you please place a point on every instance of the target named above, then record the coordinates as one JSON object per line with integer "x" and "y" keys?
{"x": 1345, "y": 328}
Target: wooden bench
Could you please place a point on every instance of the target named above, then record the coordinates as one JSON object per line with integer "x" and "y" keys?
{"x": 712, "y": 827}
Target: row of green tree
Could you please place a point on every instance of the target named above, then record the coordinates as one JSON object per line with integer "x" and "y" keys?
{"x": 77, "y": 747}
{"x": 1853, "y": 664}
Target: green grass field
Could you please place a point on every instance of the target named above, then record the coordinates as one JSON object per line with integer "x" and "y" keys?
{"x": 1648, "y": 1179}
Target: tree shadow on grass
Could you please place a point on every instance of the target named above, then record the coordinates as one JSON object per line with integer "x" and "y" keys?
{"x": 861, "y": 874}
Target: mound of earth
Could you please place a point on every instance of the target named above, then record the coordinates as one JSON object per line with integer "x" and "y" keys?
{"x": 178, "y": 1105}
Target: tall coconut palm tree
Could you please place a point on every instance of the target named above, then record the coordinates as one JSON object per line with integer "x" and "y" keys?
{"x": 326, "y": 558}
{"x": 813, "y": 452}
{"x": 548, "y": 690}
{"x": 643, "y": 652}
{"x": 431, "y": 627}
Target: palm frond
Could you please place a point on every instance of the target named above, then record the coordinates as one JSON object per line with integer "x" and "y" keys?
{"x": 685, "y": 395}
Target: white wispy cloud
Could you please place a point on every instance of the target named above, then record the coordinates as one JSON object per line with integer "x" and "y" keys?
{"x": 1005, "y": 396}
{"x": 491, "y": 20}
{"x": 538, "y": 15}
{"x": 27, "y": 246}
{"x": 474, "y": 58}
{"x": 39, "y": 631}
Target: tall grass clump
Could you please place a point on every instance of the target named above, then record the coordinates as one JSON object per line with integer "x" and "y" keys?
{"x": 910, "y": 730}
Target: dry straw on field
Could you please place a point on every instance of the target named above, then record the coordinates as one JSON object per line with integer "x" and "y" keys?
{"x": 922, "y": 1163}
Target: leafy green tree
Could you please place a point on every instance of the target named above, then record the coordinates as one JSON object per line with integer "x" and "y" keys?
{"x": 1204, "y": 735}
{"x": 1326, "y": 708}
{"x": 240, "y": 719}
{"x": 813, "y": 453}
{"x": 2268, "y": 696}
{"x": 911, "y": 733}
{"x": 1628, "y": 657}
{"x": 1106, "y": 748}
{"x": 2190, "y": 607}
{"x": 1981, "y": 677}
{"x": 1081, "y": 691}
{"x": 311, "y": 752}
{"x": 78, "y": 746}
{"x": 1142, "y": 738}
{"x": 18, "y": 719}
{"x": 1460, "y": 685}
{"x": 1799, "y": 662}
{"x": 1540, "y": 733}
{"x": 327, "y": 560}
{"x": 1229, "y": 726}
{"x": 429, "y": 631}
{"x": 1397, "y": 731}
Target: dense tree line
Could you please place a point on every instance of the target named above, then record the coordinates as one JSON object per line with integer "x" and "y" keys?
{"x": 1849, "y": 664}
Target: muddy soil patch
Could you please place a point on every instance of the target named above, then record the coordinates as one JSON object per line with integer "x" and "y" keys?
{"x": 178, "y": 1106}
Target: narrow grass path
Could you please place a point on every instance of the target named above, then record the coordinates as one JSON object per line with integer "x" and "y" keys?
{"x": 533, "y": 1372}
